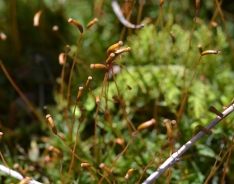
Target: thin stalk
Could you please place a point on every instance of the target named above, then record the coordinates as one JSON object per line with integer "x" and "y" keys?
{"x": 140, "y": 11}
{"x": 214, "y": 168}
{"x": 186, "y": 90}
{"x": 70, "y": 77}
{"x": 225, "y": 26}
{"x": 95, "y": 135}
{"x": 34, "y": 111}
{"x": 215, "y": 15}
{"x": 226, "y": 165}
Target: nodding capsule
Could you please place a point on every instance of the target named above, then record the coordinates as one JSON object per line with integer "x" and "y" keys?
{"x": 119, "y": 141}
{"x": 129, "y": 173}
{"x": 36, "y": 18}
{"x": 197, "y": 4}
{"x": 76, "y": 23}
{"x": 105, "y": 168}
{"x": 62, "y": 58}
{"x": 168, "y": 126}
{"x": 200, "y": 48}
{"x": 99, "y": 66}
{"x": 85, "y": 164}
{"x": 95, "y": 20}
{"x": 56, "y": 151}
{"x": 110, "y": 58}
{"x": 114, "y": 47}
{"x": 98, "y": 99}
{"x": 79, "y": 94}
{"x": 1, "y": 134}
{"x": 214, "y": 24}
{"x": 206, "y": 52}
{"x": 88, "y": 81}
{"x": 162, "y": 2}
{"x": 120, "y": 51}
{"x": 25, "y": 180}
{"x": 129, "y": 87}
{"x": 55, "y": 28}
{"x": 67, "y": 48}
{"x": 17, "y": 167}
{"x": 173, "y": 122}
{"x": 146, "y": 124}
{"x": 205, "y": 130}
{"x": 51, "y": 123}
{"x": 172, "y": 37}
{"x": 3, "y": 36}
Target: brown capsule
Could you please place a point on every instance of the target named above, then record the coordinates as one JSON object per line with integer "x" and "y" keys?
{"x": 25, "y": 180}
{"x": 205, "y": 130}
{"x": 51, "y": 123}
{"x": 62, "y": 58}
{"x": 224, "y": 140}
{"x": 82, "y": 117}
{"x": 36, "y": 18}
{"x": 200, "y": 48}
{"x": 162, "y": 2}
{"x": 110, "y": 58}
{"x": 173, "y": 122}
{"x": 67, "y": 48}
{"x": 105, "y": 168}
{"x": 61, "y": 135}
{"x": 99, "y": 66}
{"x": 98, "y": 99}
{"x": 114, "y": 97}
{"x": 120, "y": 51}
{"x": 3, "y": 36}
{"x": 172, "y": 37}
{"x": 206, "y": 52}
{"x": 225, "y": 107}
{"x": 95, "y": 20}
{"x": 85, "y": 164}
{"x": 214, "y": 24}
{"x": 119, "y": 141}
{"x": 88, "y": 81}
{"x": 55, "y": 28}
{"x": 114, "y": 47}
{"x": 168, "y": 126}
{"x": 197, "y": 4}
{"x": 17, "y": 167}
{"x": 1, "y": 134}
{"x": 129, "y": 173}
{"x": 76, "y": 23}
{"x": 129, "y": 87}
{"x": 79, "y": 94}
{"x": 47, "y": 159}
{"x": 146, "y": 124}
{"x": 56, "y": 151}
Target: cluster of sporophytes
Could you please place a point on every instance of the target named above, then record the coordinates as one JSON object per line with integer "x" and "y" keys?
{"x": 132, "y": 110}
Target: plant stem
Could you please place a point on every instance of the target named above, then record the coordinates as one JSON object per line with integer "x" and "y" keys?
{"x": 176, "y": 156}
